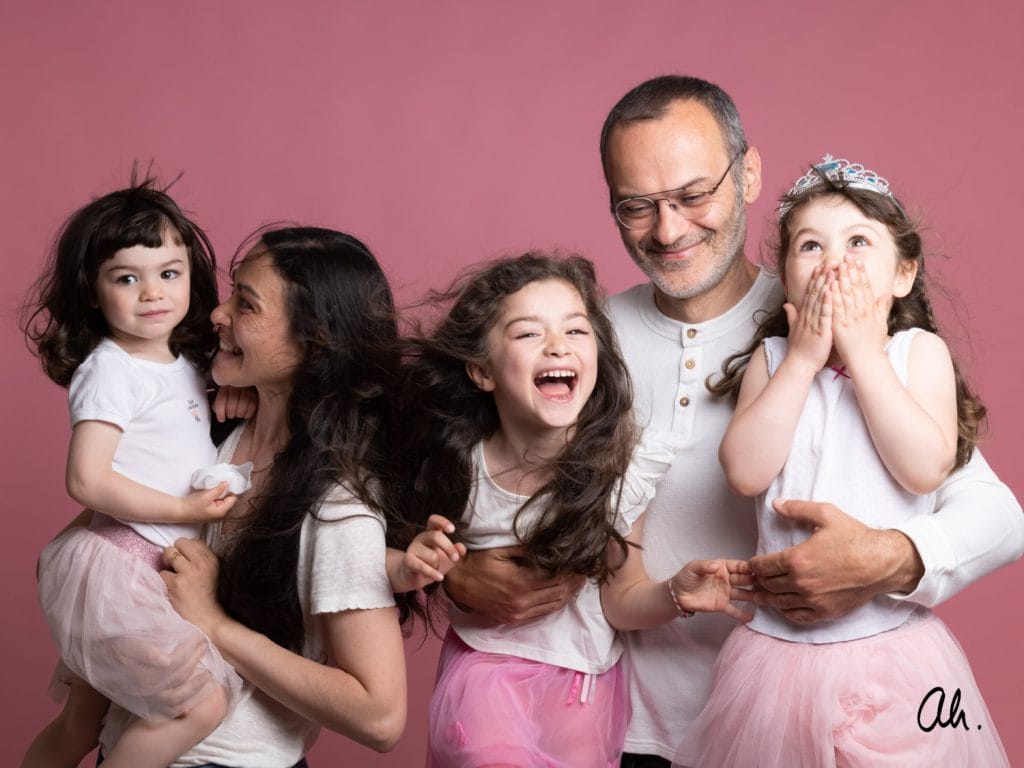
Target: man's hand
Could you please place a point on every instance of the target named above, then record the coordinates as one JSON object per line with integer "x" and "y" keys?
{"x": 841, "y": 566}
{"x": 493, "y": 582}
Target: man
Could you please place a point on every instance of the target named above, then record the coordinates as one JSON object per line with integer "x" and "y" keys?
{"x": 684, "y": 135}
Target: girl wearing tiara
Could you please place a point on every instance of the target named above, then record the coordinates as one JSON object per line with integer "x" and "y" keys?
{"x": 847, "y": 396}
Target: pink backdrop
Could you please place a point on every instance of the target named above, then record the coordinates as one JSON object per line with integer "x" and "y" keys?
{"x": 445, "y": 132}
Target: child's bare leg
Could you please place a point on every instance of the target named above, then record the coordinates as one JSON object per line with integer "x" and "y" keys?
{"x": 148, "y": 744}
{"x": 73, "y": 733}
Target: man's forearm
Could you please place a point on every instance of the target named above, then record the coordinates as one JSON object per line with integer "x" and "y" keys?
{"x": 977, "y": 528}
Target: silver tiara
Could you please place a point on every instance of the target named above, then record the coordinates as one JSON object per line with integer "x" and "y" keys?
{"x": 842, "y": 171}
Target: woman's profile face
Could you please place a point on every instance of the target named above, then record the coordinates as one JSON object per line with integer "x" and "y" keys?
{"x": 257, "y": 346}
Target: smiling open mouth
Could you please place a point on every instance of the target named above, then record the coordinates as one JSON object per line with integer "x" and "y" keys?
{"x": 558, "y": 384}
{"x": 225, "y": 347}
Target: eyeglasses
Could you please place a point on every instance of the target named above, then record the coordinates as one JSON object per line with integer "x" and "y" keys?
{"x": 640, "y": 212}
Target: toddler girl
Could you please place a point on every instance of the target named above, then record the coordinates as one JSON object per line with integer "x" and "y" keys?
{"x": 848, "y": 397}
{"x": 123, "y": 321}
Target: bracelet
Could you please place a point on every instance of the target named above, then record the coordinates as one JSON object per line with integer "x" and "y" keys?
{"x": 675, "y": 601}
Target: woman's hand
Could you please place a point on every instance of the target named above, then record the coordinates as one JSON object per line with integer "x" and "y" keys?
{"x": 192, "y": 584}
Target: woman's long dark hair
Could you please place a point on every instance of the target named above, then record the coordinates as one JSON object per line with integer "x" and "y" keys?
{"x": 911, "y": 311}
{"x": 339, "y": 419}
{"x": 446, "y": 415}
{"x": 61, "y": 318}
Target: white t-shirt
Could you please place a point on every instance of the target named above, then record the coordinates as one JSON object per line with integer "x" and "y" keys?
{"x": 341, "y": 568}
{"x": 577, "y": 636}
{"x": 977, "y": 526}
{"x": 162, "y": 412}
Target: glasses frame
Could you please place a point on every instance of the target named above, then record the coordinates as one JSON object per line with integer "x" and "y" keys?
{"x": 655, "y": 197}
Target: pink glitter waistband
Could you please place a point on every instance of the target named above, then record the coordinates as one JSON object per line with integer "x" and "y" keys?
{"x": 126, "y": 538}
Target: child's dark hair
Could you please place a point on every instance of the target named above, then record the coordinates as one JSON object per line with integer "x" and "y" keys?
{"x": 911, "y": 311}
{"x": 446, "y": 415}
{"x": 61, "y": 318}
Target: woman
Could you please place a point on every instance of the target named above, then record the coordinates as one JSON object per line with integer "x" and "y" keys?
{"x": 302, "y": 607}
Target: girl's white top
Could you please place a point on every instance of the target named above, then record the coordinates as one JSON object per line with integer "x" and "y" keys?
{"x": 164, "y": 418}
{"x": 833, "y": 460}
{"x": 576, "y": 637}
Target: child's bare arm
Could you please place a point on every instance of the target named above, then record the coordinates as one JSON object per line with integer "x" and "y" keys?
{"x": 913, "y": 427}
{"x": 632, "y": 600}
{"x": 758, "y": 439}
{"x": 92, "y": 482}
{"x": 760, "y": 435}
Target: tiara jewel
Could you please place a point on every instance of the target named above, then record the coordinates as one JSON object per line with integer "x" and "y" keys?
{"x": 843, "y": 171}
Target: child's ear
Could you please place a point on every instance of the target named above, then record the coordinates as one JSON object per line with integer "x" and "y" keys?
{"x": 905, "y": 274}
{"x": 480, "y": 376}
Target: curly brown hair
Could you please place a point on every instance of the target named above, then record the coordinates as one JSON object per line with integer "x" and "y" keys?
{"x": 446, "y": 415}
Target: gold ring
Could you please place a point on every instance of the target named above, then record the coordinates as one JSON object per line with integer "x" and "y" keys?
{"x": 174, "y": 554}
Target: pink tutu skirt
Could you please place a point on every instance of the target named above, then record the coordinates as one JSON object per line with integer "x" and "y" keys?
{"x": 489, "y": 709}
{"x": 867, "y": 703}
{"x": 114, "y": 627}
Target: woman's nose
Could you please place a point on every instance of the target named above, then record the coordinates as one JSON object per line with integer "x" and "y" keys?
{"x": 219, "y": 315}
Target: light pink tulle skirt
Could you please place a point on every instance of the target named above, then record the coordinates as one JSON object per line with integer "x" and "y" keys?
{"x": 489, "y": 709}
{"x": 114, "y": 627}
{"x": 777, "y": 704}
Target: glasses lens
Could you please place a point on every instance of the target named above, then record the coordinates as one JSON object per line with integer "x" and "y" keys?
{"x": 635, "y": 212}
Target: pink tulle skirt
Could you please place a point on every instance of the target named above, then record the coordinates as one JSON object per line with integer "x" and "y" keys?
{"x": 863, "y": 703}
{"x": 489, "y": 709}
{"x": 108, "y": 612}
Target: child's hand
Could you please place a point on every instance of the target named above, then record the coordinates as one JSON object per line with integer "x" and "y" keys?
{"x": 235, "y": 403}
{"x": 859, "y": 320}
{"x": 429, "y": 557}
{"x": 810, "y": 326}
{"x": 207, "y": 506}
{"x": 711, "y": 585}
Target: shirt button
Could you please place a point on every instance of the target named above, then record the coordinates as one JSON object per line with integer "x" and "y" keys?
{"x": 691, "y": 332}
{"x": 684, "y": 401}
{"x": 690, "y": 363}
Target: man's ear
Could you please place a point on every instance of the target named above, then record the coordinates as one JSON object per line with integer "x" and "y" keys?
{"x": 905, "y": 274}
{"x": 751, "y": 175}
{"x": 480, "y": 376}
